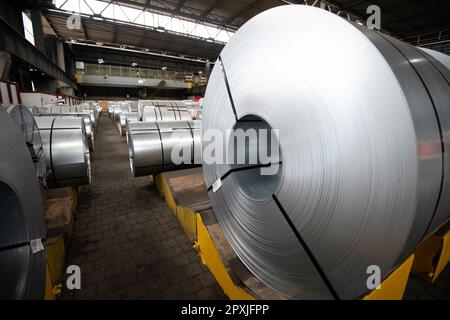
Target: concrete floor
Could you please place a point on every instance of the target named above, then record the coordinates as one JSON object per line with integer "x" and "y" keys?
{"x": 126, "y": 241}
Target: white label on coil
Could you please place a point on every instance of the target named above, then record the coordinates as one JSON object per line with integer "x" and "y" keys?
{"x": 216, "y": 185}
{"x": 36, "y": 245}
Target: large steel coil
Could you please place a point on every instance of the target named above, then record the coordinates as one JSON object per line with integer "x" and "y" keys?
{"x": 125, "y": 118}
{"x": 150, "y": 145}
{"x": 22, "y": 229}
{"x": 25, "y": 122}
{"x": 66, "y": 151}
{"x": 87, "y": 124}
{"x": 364, "y": 129}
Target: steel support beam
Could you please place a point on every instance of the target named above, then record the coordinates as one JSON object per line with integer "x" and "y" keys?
{"x": 18, "y": 46}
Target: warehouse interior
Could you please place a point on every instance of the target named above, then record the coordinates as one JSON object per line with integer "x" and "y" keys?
{"x": 134, "y": 161}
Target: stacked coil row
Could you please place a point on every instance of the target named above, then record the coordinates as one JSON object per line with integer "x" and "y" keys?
{"x": 71, "y": 111}
{"x": 364, "y": 168}
{"x": 164, "y": 113}
{"x": 125, "y": 118}
{"x": 151, "y": 144}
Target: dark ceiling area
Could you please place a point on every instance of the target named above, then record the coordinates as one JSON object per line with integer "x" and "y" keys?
{"x": 405, "y": 19}
{"x": 109, "y": 32}
{"x": 419, "y": 22}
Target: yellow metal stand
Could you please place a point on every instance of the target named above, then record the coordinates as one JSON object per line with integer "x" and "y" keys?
{"x": 433, "y": 254}
{"x": 59, "y": 220}
{"x": 211, "y": 258}
{"x": 392, "y": 288}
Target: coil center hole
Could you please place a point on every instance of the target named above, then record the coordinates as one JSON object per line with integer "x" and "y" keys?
{"x": 254, "y": 144}
{"x": 12, "y": 220}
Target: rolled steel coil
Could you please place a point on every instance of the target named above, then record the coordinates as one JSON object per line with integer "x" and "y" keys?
{"x": 25, "y": 122}
{"x": 162, "y": 113}
{"x": 66, "y": 151}
{"x": 126, "y": 117}
{"x": 68, "y": 109}
{"x": 87, "y": 124}
{"x": 364, "y": 143}
{"x": 22, "y": 229}
{"x": 118, "y": 109}
{"x": 89, "y": 107}
{"x": 34, "y": 110}
{"x": 50, "y": 110}
{"x": 439, "y": 56}
{"x": 92, "y": 116}
{"x": 159, "y": 103}
{"x": 150, "y": 145}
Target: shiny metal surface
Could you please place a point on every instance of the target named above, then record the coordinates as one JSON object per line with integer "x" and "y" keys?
{"x": 126, "y": 117}
{"x": 439, "y": 56}
{"x": 66, "y": 150}
{"x": 361, "y": 139}
{"x": 87, "y": 124}
{"x": 150, "y": 145}
{"x": 24, "y": 120}
{"x": 163, "y": 113}
{"x": 117, "y": 109}
{"x": 175, "y": 104}
{"x": 21, "y": 217}
{"x": 69, "y": 110}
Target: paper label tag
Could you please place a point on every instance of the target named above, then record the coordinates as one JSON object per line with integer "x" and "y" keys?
{"x": 216, "y": 185}
{"x": 36, "y": 245}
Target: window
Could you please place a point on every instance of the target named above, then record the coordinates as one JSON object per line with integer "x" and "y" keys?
{"x": 158, "y": 21}
{"x": 28, "y": 28}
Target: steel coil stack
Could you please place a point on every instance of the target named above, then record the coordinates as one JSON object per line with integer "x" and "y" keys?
{"x": 163, "y": 113}
{"x": 66, "y": 151}
{"x": 68, "y": 110}
{"x": 172, "y": 104}
{"x": 22, "y": 230}
{"x": 117, "y": 109}
{"x": 150, "y": 145}
{"x": 364, "y": 169}
{"x": 25, "y": 122}
{"x": 87, "y": 124}
{"x": 125, "y": 118}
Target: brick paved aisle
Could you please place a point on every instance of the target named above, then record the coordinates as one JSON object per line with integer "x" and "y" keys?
{"x": 126, "y": 241}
